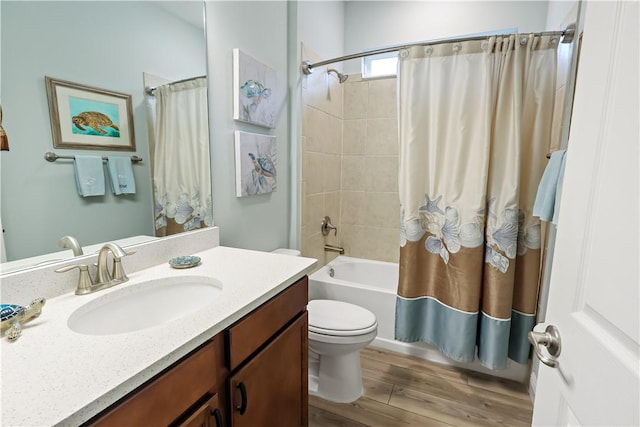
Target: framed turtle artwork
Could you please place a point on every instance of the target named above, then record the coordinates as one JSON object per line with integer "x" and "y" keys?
{"x": 88, "y": 117}
{"x": 254, "y": 91}
{"x": 256, "y": 160}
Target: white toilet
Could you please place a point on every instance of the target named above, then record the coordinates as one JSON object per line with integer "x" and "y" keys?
{"x": 337, "y": 332}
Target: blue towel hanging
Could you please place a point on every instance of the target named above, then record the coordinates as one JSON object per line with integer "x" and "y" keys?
{"x": 548, "y": 195}
{"x": 121, "y": 175}
{"x": 89, "y": 173}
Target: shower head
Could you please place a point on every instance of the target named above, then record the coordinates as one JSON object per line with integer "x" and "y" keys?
{"x": 341, "y": 77}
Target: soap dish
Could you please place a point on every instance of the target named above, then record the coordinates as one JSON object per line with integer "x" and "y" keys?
{"x": 184, "y": 261}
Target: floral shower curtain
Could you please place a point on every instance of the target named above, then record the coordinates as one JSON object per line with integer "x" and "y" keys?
{"x": 475, "y": 122}
{"x": 181, "y": 162}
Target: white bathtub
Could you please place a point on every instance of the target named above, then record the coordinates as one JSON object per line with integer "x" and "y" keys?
{"x": 373, "y": 285}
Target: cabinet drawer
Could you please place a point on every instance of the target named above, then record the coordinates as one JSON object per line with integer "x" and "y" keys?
{"x": 168, "y": 396}
{"x": 253, "y": 331}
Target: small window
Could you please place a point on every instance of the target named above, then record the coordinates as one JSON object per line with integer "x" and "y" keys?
{"x": 381, "y": 65}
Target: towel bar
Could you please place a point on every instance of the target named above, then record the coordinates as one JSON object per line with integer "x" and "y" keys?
{"x": 52, "y": 157}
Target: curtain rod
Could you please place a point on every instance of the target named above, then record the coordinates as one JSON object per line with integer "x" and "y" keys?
{"x": 151, "y": 89}
{"x": 307, "y": 67}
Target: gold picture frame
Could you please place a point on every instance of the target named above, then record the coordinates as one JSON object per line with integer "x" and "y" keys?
{"x": 89, "y": 117}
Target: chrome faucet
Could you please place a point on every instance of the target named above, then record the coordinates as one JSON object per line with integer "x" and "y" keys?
{"x": 70, "y": 242}
{"x": 117, "y": 274}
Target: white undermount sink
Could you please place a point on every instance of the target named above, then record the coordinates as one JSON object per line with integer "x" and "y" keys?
{"x": 144, "y": 305}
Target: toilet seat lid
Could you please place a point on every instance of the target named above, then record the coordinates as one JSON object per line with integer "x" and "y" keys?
{"x": 331, "y": 317}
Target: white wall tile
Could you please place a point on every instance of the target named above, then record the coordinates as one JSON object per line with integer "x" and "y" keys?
{"x": 333, "y": 131}
{"x": 354, "y": 134}
{"x": 353, "y": 208}
{"x": 382, "y": 210}
{"x": 382, "y": 101}
{"x": 331, "y": 170}
{"x": 382, "y": 137}
{"x": 313, "y": 172}
{"x": 353, "y": 177}
{"x": 381, "y": 173}
{"x": 356, "y": 99}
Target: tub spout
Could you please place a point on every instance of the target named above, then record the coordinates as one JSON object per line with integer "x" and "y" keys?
{"x": 331, "y": 248}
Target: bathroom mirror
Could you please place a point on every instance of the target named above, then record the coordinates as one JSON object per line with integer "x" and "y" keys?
{"x": 103, "y": 44}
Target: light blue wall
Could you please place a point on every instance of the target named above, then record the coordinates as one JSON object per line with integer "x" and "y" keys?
{"x": 260, "y": 29}
{"x": 102, "y": 44}
{"x": 321, "y": 27}
{"x": 270, "y": 32}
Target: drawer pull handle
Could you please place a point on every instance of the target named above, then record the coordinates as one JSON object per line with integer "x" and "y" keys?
{"x": 243, "y": 395}
{"x": 218, "y": 417}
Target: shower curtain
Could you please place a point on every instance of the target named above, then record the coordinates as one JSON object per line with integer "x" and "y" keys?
{"x": 181, "y": 171}
{"x": 475, "y": 122}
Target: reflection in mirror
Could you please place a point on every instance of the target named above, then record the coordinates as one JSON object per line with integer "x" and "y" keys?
{"x": 179, "y": 146}
{"x": 108, "y": 45}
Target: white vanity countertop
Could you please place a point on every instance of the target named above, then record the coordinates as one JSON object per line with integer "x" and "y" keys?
{"x": 54, "y": 376}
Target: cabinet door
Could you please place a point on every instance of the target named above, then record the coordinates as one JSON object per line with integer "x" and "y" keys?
{"x": 207, "y": 415}
{"x": 271, "y": 390}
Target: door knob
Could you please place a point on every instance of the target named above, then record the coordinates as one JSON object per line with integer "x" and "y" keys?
{"x": 550, "y": 338}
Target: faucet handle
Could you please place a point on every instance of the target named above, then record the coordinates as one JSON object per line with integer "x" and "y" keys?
{"x": 117, "y": 272}
{"x": 326, "y": 227}
{"x": 84, "y": 280}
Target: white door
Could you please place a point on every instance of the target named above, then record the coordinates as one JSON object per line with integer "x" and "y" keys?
{"x": 594, "y": 290}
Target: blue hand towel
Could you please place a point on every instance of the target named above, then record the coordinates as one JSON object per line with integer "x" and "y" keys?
{"x": 121, "y": 175}
{"x": 548, "y": 195}
{"x": 89, "y": 174}
{"x": 554, "y": 221}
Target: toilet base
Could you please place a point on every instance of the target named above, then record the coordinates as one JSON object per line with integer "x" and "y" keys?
{"x": 338, "y": 379}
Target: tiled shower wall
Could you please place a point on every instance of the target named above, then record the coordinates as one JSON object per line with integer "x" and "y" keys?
{"x": 321, "y": 159}
{"x": 350, "y": 166}
{"x": 370, "y": 210}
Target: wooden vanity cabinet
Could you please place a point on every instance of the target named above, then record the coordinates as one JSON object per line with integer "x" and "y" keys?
{"x": 172, "y": 395}
{"x": 268, "y": 362}
{"x": 252, "y": 374}
{"x": 271, "y": 389}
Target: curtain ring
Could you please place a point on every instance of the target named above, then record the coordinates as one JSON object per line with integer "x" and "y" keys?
{"x": 554, "y": 40}
{"x": 484, "y": 45}
{"x": 456, "y": 47}
{"x": 524, "y": 40}
{"x": 404, "y": 53}
{"x": 428, "y": 50}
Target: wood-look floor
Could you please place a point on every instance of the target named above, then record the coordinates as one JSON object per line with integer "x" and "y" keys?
{"x": 407, "y": 391}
